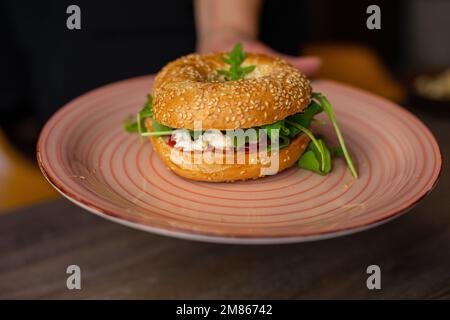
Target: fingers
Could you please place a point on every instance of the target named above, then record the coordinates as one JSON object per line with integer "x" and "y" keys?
{"x": 308, "y": 65}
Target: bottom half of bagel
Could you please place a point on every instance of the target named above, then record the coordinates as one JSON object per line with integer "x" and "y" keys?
{"x": 213, "y": 166}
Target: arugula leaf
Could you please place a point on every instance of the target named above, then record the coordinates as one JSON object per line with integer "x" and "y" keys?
{"x": 314, "y": 141}
{"x": 311, "y": 159}
{"x": 279, "y": 125}
{"x": 195, "y": 134}
{"x": 156, "y": 133}
{"x": 303, "y": 118}
{"x": 138, "y": 124}
{"x": 158, "y": 129}
{"x": 336, "y": 152}
{"x": 156, "y": 126}
{"x": 326, "y": 105}
{"x": 235, "y": 58}
{"x": 326, "y": 155}
{"x": 278, "y": 130}
{"x": 129, "y": 125}
{"x": 147, "y": 110}
{"x": 276, "y": 133}
{"x": 282, "y": 142}
{"x": 240, "y": 138}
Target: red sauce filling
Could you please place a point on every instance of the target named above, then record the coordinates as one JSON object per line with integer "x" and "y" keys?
{"x": 171, "y": 142}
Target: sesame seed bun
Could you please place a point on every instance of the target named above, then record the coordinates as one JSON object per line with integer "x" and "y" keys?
{"x": 185, "y": 165}
{"x": 190, "y": 89}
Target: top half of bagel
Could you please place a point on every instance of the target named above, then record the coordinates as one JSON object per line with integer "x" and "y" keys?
{"x": 190, "y": 89}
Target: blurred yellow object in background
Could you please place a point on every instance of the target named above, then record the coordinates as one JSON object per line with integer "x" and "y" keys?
{"x": 21, "y": 182}
{"x": 356, "y": 65}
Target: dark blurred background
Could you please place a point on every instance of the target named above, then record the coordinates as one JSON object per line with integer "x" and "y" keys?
{"x": 44, "y": 65}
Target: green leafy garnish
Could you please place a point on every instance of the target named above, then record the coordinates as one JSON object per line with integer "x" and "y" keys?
{"x": 312, "y": 158}
{"x": 235, "y": 58}
{"x": 306, "y": 117}
{"x": 319, "y": 146}
{"x": 138, "y": 124}
{"x": 156, "y": 133}
{"x": 240, "y": 138}
{"x": 317, "y": 157}
{"x": 336, "y": 152}
{"x": 326, "y": 105}
{"x": 309, "y": 161}
{"x": 279, "y": 125}
{"x": 303, "y": 118}
{"x": 277, "y": 130}
{"x": 130, "y": 124}
{"x": 156, "y": 126}
{"x": 158, "y": 129}
{"x": 282, "y": 142}
{"x": 147, "y": 110}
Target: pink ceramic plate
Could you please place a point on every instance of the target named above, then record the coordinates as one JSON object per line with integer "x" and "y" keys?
{"x": 85, "y": 154}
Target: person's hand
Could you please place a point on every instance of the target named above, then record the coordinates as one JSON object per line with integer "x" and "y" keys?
{"x": 224, "y": 43}
{"x": 223, "y": 23}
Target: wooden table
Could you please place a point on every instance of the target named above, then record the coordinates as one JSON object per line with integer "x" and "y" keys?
{"x": 38, "y": 243}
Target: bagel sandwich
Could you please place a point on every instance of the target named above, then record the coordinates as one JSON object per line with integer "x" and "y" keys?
{"x": 225, "y": 117}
